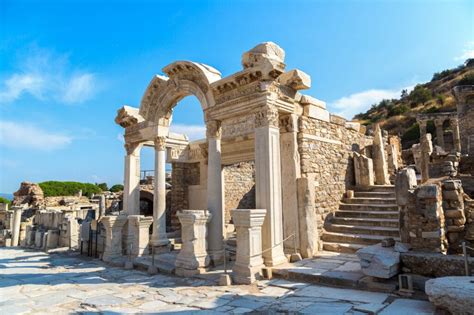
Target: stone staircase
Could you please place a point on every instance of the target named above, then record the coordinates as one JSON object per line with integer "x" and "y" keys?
{"x": 366, "y": 219}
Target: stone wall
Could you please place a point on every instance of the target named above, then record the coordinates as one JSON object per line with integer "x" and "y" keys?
{"x": 453, "y": 206}
{"x": 326, "y": 150}
{"x": 239, "y": 185}
{"x": 182, "y": 176}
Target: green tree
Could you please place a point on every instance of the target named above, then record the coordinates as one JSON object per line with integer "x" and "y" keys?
{"x": 404, "y": 93}
{"x": 4, "y": 200}
{"x": 420, "y": 94}
{"x": 116, "y": 188}
{"x": 102, "y": 186}
{"x": 55, "y": 188}
{"x": 468, "y": 79}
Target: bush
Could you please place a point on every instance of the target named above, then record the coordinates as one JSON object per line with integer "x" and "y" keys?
{"x": 54, "y": 188}
{"x": 442, "y": 74}
{"x": 420, "y": 94}
{"x": 5, "y": 200}
{"x": 412, "y": 133}
{"x": 102, "y": 186}
{"x": 468, "y": 79}
{"x": 394, "y": 110}
{"x": 116, "y": 188}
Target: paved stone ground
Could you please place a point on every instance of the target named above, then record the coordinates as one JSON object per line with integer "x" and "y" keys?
{"x": 36, "y": 282}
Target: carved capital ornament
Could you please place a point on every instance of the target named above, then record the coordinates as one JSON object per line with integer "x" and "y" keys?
{"x": 160, "y": 143}
{"x": 267, "y": 117}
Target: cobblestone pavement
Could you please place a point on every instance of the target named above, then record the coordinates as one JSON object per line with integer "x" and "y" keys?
{"x": 36, "y": 282}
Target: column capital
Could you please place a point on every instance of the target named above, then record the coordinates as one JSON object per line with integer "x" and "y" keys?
{"x": 213, "y": 129}
{"x": 131, "y": 148}
{"x": 267, "y": 116}
{"x": 289, "y": 123}
{"x": 422, "y": 122}
{"x": 454, "y": 121}
{"x": 160, "y": 143}
{"x": 439, "y": 122}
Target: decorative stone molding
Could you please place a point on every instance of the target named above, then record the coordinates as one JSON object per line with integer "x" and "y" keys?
{"x": 213, "y": 129}
{"x": 131, "y": 148}
{"x": 248, "y": 262}
{"x": 193, "y": 257}
{"x": 160, "y": 143}
{"x": 289, "y": 123}
{"x": 128, "y": 116}
{"x": 113, "y": 237}
{"x": 267, "y": 117}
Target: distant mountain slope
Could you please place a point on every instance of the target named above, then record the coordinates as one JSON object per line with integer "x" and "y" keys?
{"x": 398, "y": 116}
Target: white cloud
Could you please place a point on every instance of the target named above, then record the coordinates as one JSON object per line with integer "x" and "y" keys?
{"x": 467, "y": 53}
{"x": 48, "y": 76}
{"x": 194, "y": 132}
{"x": 349, "y": 106}
{"x": 25, "y": 136}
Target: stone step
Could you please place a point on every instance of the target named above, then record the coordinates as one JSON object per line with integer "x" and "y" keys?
{"x": 374, "y": 194}
{"x": 376, "y": 188}
{"x": 366, "y": 214}
{"x": 371, "y": 200}
{"x": 366, "y": 221}
{"x": 362, "y": 239}
{"x": 342, "y": 247}
{"x": 368, "y": 207}
{"x": 361, "y": 229}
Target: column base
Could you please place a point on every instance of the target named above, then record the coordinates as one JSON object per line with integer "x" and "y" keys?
{"x": 242, "y": 274}
{"x": 275, "y": 259}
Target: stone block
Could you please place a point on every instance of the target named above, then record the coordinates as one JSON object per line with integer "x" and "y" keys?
{"x": 378, "y": 261}
{"x": 454, "y": 214}
{"x": 454, "y": 294}
{"x": 452, "y": 184}
{"x": 295, "y": 79}
{"x": 316, "y": 112}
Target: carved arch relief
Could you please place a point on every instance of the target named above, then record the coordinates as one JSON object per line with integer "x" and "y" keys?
{"x": 184, "y": 78}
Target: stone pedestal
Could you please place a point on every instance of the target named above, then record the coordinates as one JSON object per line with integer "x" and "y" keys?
{"x": 131, "y": 191}
{"x": 113, "y": 237}
{"x": 248, "y": 262}
{"x": 268, "y": 183}
{"x": 52, "y": 241}
{"x": 215, "y": 196}
{"x": 363, "y": 169}
{"x": 158, "y": 238}
{"x": 139, "y": 237}
{"x": 193, "y": 257}
{"x": 16, "y": 226}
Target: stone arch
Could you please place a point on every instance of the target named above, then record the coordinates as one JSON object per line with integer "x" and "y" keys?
{"x": 184, "y": 78}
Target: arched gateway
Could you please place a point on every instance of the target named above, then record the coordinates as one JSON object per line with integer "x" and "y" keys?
{"x": 255, "y": 116}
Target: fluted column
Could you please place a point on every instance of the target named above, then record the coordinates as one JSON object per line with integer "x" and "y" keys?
{"x": 158, "y": 237}
{"x": 215, "y": 192}
{"x": 456, "y": 136}
{"x": 268, "y": 183}
{"x": 131, "y": 191}
{"x": 439, "y": 132}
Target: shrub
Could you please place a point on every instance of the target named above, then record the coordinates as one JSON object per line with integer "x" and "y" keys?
{"x": 420, "y": 94}
{"x": 394, "y": 110}
{"x": 116, "y": 188}
{"x": 55, "y": 188}
{"x": 4, "y": 200}
{"x": 468, "y": 79}
{"x": 412, "y": 133}
{"x": 441, "y": 75}
{"x": 102, "y": 186}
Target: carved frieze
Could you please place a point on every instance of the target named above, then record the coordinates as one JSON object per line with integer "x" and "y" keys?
{"x": 238, "y": 126}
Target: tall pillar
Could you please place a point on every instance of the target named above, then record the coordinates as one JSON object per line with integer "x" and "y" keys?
{"x": 16, "y": 225}
{"x": 131, "y": 191}
{"x": 422, "y": 124}
{"x": 456, "y": 136}
{"x": 268, "y": 183}
{"x": 379, "y": 161}
{"x": 158, "y": 237}
{"x": 426, "y": 150}
{"x": 290, "y": 172}
{"x": 439, "y": 132}
{"x": 215, "y": 192}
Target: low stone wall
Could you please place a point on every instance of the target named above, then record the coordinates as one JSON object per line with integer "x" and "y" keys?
{"x": 182, "y": 176}
{"x": 434, "y": 264}
{"x": 239, "y": 184}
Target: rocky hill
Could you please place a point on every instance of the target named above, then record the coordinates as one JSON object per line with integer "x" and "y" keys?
{"x": 398, "y": 116}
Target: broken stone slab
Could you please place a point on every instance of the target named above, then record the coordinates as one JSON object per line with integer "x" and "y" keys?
{"x": 378, "y": 261}
{"x": 455, "y": 294}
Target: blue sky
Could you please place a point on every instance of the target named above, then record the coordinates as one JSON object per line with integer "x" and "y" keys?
{"x": 67, "y": 66}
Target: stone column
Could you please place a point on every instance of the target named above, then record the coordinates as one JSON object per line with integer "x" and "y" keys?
{"x": 308, "y": 224}
{"x": 426, "y": 150}
{"x": 102, "y": 205}
{"x": 16, "y": 225}
{"x": 380, "y": 163}
{"x": 215, "y": 192}
{"x": 268, "y": 183}
{"x": 439, "y": 132}
{"x": 131, "y": 191}
{"x": 290, "y": 172}
{"x": 193, "y": 257}
{"x": 113, "y": 237}
{"x": 248, "y": 261}
{"x": 158, "y": 237}
{"x": 139, "y": 226}
{"x": 456, "y": 136}
{"x": 422, "y": 124}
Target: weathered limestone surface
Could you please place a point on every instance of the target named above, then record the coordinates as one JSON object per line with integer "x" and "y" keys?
{"x": 239, "y": 186}
{"x": 453, "y": 206}
{"x": 378, "y": 261}
{"x": 405, "y": 183}
{"x": 30, "y": 194}
{"x": 455, "y": 294}
{"x": 380, "y": 161}
{"x": 113, "y": 239}
{"x": 363, "y": 169}
{"x": 434, "y": 264}
{"x": 308, "y": 229}
{"x": 16, "y": 225}
{"x": 248, "y": 262}
{"x": 465, "y": 105}
{"x": 139, "y": 227}
{"x": 426, "y": 147}
{"x": 193, "y": 257}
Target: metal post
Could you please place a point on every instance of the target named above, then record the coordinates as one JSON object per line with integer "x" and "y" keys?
{"x": 225, "y": 260}
{"x": 466, "y": 259}
{"x": 153, "y": 256}
{"x": 294, "y": 244}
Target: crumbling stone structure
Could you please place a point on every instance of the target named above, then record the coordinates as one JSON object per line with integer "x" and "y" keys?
{"x": 465, "y": 109}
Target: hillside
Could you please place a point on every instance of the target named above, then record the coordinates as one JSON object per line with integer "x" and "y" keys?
{"x": 398, "y": 116}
